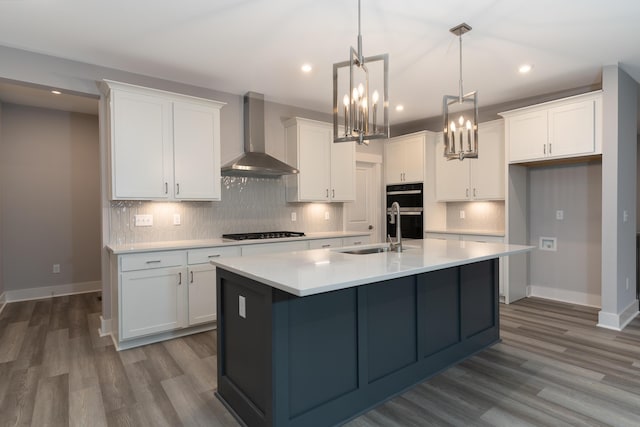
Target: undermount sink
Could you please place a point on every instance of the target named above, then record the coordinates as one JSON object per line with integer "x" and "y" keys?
{"x": 365, "y": 251}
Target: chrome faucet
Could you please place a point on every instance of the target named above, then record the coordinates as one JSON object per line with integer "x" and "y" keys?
{"x": 397, "y": 245}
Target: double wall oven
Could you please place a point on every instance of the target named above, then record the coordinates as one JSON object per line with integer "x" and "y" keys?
{"x": 410, "y": 199}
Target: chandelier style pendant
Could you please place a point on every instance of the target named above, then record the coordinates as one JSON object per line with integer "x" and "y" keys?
{"x": 460, "y": 116}
{"x": 356, "y": 114}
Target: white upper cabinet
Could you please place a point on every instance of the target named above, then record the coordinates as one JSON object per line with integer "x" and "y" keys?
{"x": 570, "y": 127}
{"x": 404, "y": 158}
{"x": 327, "y": 170}
{"x": 473, "y": 179}
{"x": 163, "y": 146}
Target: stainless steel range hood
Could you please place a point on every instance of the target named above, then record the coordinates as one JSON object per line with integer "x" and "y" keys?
{"x": 254, "y": 161}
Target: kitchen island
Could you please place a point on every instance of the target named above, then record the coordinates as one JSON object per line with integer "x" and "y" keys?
{"x": 314, "y": 338}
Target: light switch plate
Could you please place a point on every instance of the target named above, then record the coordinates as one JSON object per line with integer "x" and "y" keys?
{"x": 176, "y": 219}
{"x": 143, "y": 220}
{"x": 294, "y": 216}
{"x": 559, "y": 215}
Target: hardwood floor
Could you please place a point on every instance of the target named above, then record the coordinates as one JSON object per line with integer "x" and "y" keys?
{"x": 553, "y": 368}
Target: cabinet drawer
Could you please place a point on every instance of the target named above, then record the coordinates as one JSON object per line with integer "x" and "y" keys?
{"x": 357, "y": 240}
{"x": 325, "y": 243}
{"x": 203, "y": 256}
{"x": 150, "y": 260}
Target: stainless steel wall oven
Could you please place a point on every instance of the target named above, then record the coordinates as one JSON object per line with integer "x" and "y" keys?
{"x": 410, "y": 199}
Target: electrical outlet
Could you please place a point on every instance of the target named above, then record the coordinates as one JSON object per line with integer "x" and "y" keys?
{"x": 56, "y": 268}
{"x": 462, "y": 215}
{"x": 625, "y": 216}
{"x": 176, "y": 219}
{"x": 294, "y": 216}
{"x": 548, "y": 244}
{"x": 143, "y": 220}
{"x": 242, "y": 306}
{"x": 559, "y": 215}
{"x": 326, "y": 216}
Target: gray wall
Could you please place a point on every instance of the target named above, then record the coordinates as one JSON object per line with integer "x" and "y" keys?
{"x": 573, "y": 272}
{"x": 620, "y": 101}
{"x": 51, "y": 197}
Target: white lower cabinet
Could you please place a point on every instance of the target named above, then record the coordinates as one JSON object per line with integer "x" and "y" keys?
{"x": 202, "y": 282}
{"x": 152, "y": 300}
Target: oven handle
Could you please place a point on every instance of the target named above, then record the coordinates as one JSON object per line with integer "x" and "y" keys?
{"x": 396, "y": 193}
{"x": 412, "y": 212}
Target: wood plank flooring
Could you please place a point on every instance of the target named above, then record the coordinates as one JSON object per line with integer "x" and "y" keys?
{"x": 553, "y": 368}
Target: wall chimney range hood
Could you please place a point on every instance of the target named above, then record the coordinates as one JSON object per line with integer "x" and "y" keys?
{"x": 255, "y": 162}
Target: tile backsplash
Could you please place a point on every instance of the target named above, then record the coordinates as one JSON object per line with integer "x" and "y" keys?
{"x": 478, "y": 216}
{"x": 248, "y": 205}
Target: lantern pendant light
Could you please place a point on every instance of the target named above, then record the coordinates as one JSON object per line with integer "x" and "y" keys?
{"x": 460, "y": 115}
{"x": 356, "y": 114}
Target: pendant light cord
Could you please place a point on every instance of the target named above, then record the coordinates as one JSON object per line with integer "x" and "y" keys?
{"x": 360, "y": 56}
{"x": 460, "y": 38}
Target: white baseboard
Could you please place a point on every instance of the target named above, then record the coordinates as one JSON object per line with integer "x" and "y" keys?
{"x": 105, "y": 327}
{"x": 52, "y": 291}
{"x": 564, "y": 295}
{"x": 616, "y": 321}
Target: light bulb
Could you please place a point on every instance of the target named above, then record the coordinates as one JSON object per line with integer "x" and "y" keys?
{"x": 345, "y": 100}
{"x": 468, "y": 125}
{"x": 461, "y": 120}
{"x": 453, "y": 127}
{"x": 360, "y": 89}
{"x": 364, "y": 103}
{"x": 375, "y": 97}
{"x": 355, "y": 94}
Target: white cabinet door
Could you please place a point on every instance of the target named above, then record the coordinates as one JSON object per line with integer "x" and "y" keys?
{"x": 452, "y": 176}
{"x": 327, "y": 170}
{"x": 343, "y": 171}
{"x": 141, "y": 146}
{"x": 315, "y": 161}
{"x": 414, "y": 158}
{"x": 404, "y": 159}
{"x": 571, "y": 129}
{"x": 527, "y": 135}
{"x": 196, "y": 151}
{"x": 488, "y": 170}
{"x": 152, "y": 301}
{"x": 202, "y": 294}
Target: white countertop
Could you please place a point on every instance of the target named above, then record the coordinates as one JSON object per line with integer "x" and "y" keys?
{"x": 472, "y": 232}
{"x": 210, "y": 243}
{"x": 310, "y": 272}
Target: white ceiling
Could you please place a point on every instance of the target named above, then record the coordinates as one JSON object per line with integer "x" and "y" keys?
{"x": 240, "y": 45}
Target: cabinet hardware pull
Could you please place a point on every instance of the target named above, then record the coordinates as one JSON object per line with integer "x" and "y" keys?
{"x": 357, "y": 243}
{"x": 166, "y": 188}
{"x": 214, "y": 256}
{"x": 191, "y": 276}
{"x": 467, "y": 192}
{"x": 155, "y": 261}
{"x": 178, "y": 188}
{"x": 333, "y": 193}
{"x": 326, "y": 246}
{"x": 327, "y": 192}
{"x": 544, "y": 149}
{"x": 474, "y": 192}
{"x": 180, "y": 278}
{"x": 549, "y": 148}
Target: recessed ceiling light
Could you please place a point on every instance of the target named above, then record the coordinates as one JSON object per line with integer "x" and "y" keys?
{"x": 525, "y": 68}
{"x": 306, "y": 68}
{"x": 399, "y": 107}
{"x": 56, "y": 92}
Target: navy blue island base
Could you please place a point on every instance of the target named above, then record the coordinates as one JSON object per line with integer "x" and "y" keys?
{"x": 323, "y": 359}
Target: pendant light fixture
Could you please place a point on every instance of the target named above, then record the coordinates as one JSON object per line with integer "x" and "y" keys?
{"x": 460, "y": 116}
{"x": 356, "y": 113}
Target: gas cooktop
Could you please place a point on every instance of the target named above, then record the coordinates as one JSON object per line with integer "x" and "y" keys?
{"x": 263, "y": 235}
